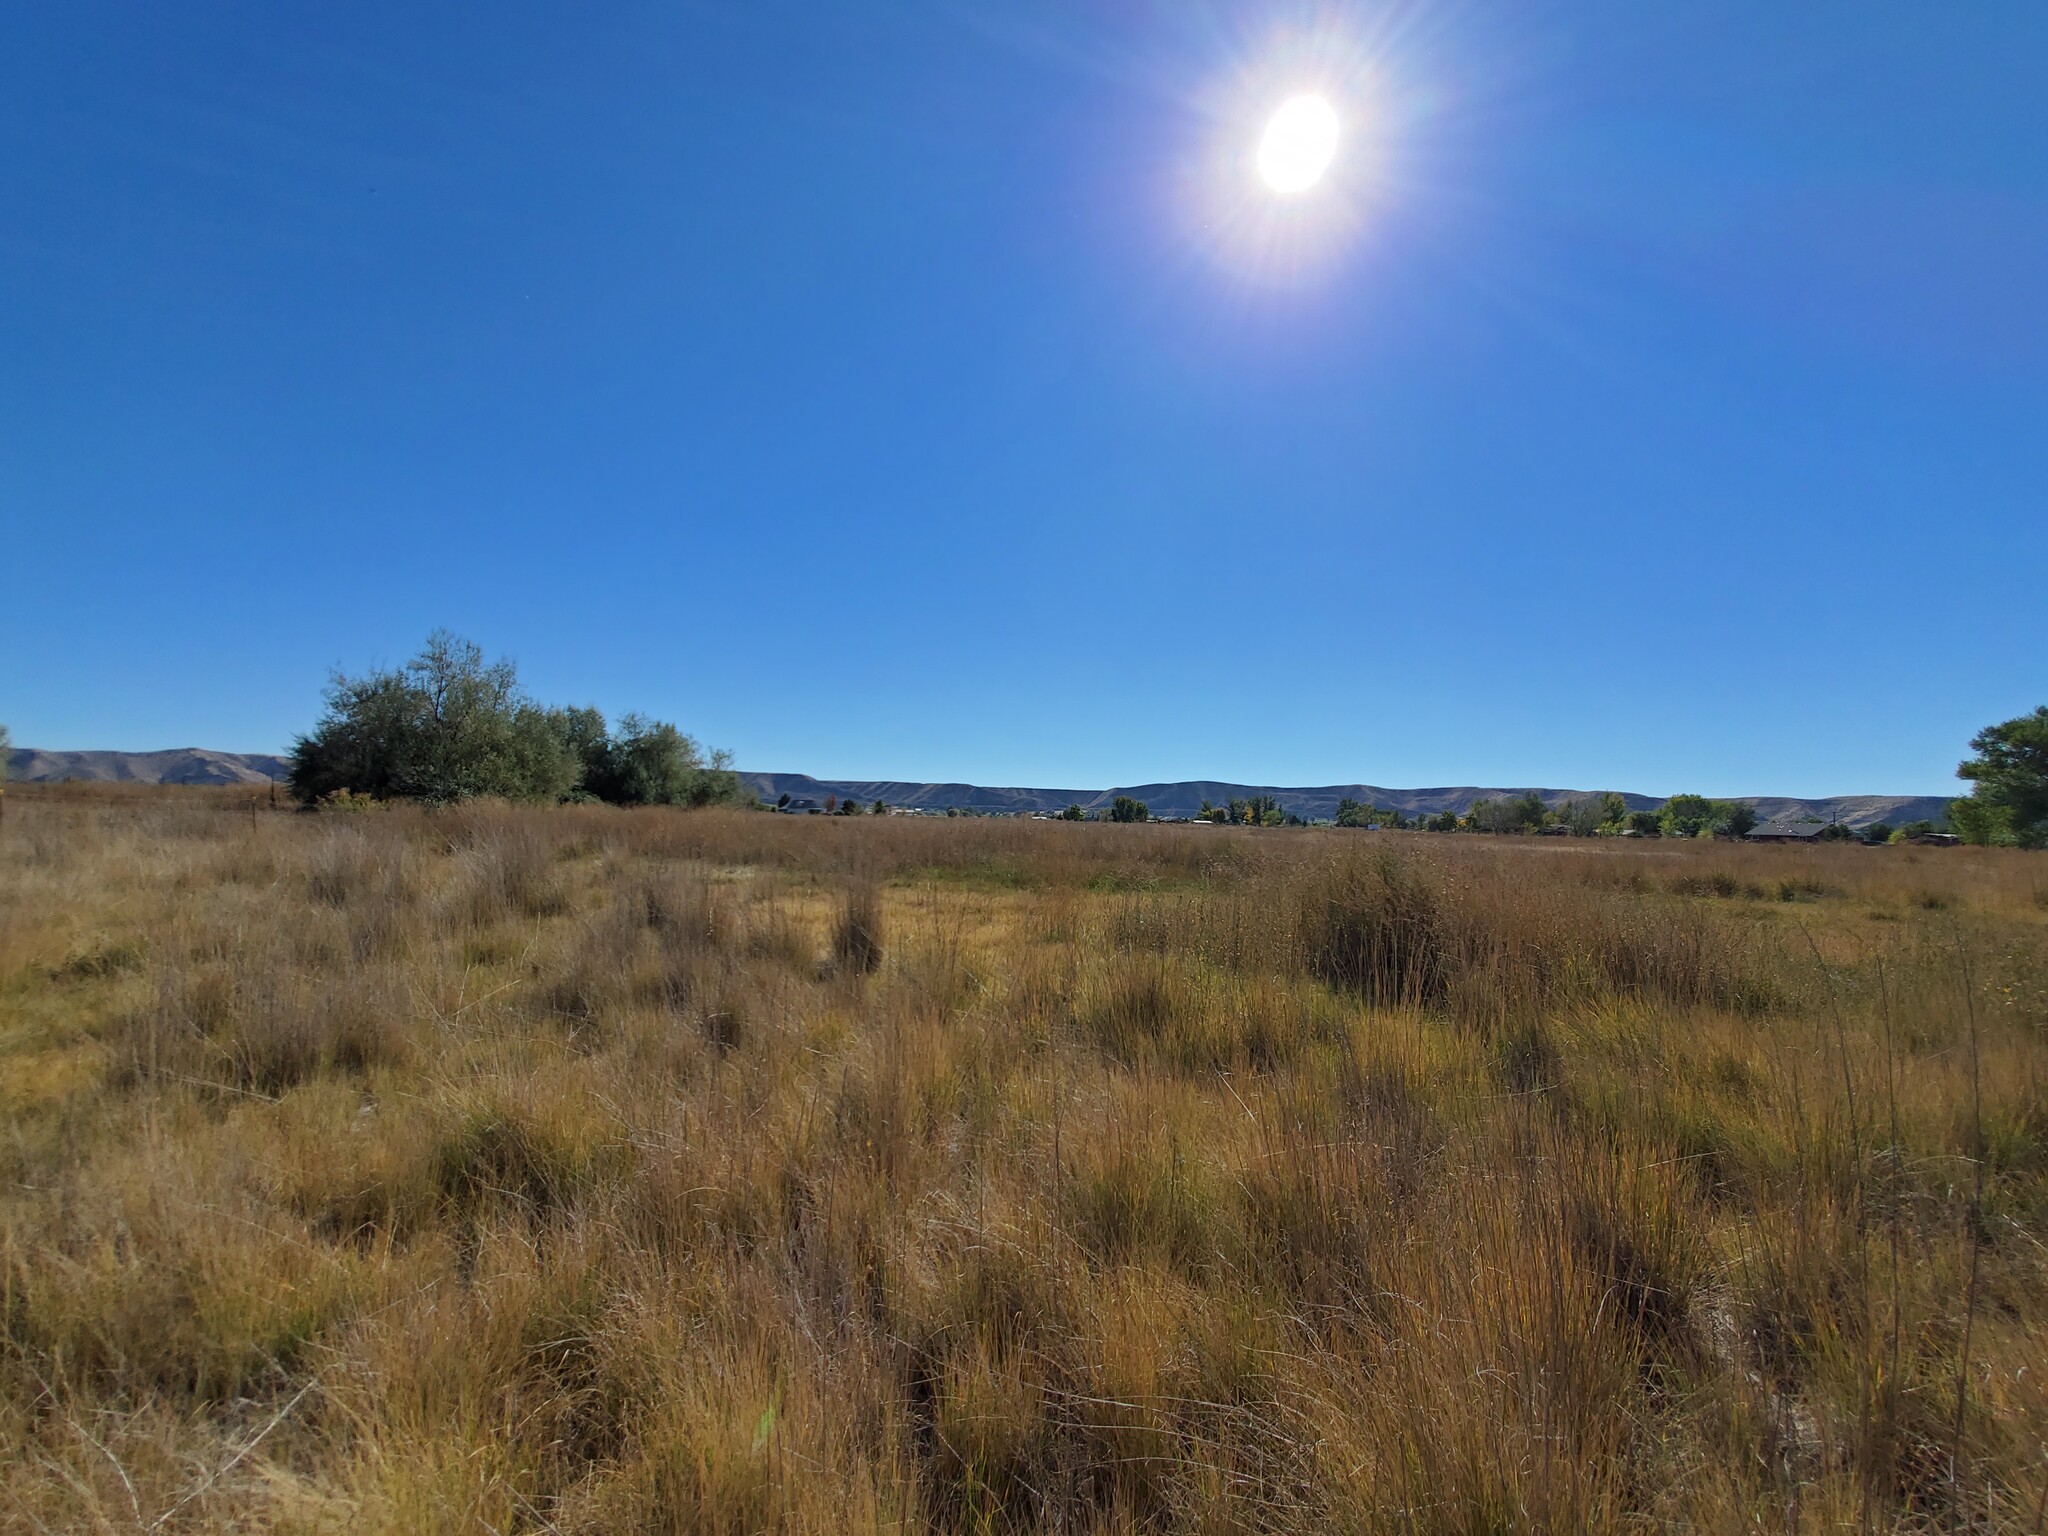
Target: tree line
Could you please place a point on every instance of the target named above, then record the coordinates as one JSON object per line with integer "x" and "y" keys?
{"x": 1602, "y": 815}
{"x": 1123, "y": 808}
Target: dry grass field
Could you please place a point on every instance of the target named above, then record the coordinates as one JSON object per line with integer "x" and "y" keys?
{"x": 600, "y": 1171}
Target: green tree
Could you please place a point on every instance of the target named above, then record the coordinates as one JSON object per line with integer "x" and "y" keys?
{"x": 1979, "y": 820}
{"x": 583, "y": 731}
{"x": 1258, "y": 811}
{"x": 880, "y": 807}
{"x": 1353, "y": 813}
{"x": 1645, "y": 824}
{"x": 1613, "y": 811}
{"x": 1124, "y": 808}
{"x": 1877, "y": 832}
{"x": 1583, "y": 816}
{"x": 651, "y": 762}
{"x": 1686, "y": 816}
{"x": 446, "y": 726}
{"x": 1073, "y": 813}
{"x": 2008, "y": 802}
{"x": 449, "y": 725}
{"x": 1443, "y": 821}
{"x": 1697, "y": 816}
{"x": 1521, "y": 814}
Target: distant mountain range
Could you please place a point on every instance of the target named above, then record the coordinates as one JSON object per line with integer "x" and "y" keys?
{"x": 179, "y": 765}
{"x": 1185, "y": 797}
{"x": 196, "y": 765}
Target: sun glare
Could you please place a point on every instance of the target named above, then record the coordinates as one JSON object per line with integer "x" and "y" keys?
{"x": 1300, "y": 142}
{"x": 1295, "y": 165}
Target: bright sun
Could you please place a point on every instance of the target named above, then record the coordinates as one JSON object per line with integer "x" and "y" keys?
{"x": 1299, "y": 144}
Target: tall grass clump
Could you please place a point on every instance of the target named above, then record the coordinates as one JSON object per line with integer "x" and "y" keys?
{"x": 857, "y": 931}
{"x": 1376, "y": 927}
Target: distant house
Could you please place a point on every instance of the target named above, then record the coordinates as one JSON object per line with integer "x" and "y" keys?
{"x": 802, "y": 808}
{"x": 1805, "y": 830}
{"x": 1936, "y": 839}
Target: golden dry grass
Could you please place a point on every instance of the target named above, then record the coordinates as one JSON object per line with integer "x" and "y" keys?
{"x": 586, "y": 1170}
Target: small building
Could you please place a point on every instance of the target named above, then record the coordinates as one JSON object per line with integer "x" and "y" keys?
{"x": 1936, "y": 839}
{"x": 1807, "y": 829}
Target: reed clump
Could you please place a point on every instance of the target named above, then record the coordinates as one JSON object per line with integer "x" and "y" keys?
{"x": 592, "y": 1170}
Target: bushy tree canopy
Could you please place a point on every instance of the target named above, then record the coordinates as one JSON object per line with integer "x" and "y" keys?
{"x": 1582, "y": 816}
{"x": 445, "y": 726}
{"x": 2009, "y": 800}
{"x": 1687, "y": 815}
{"x": 1697, "y": 816}
{"x": 1258, "y": 811}
{"x": 1356, "y": 813}
{"x": 1522, "y": 814}
{"x": 650, "y": 762}
{"x": 1124, "y": 808}
{"x": 449, "y": 725}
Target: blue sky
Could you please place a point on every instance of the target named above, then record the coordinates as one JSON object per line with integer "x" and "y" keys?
{"x": 1652, "y": 397}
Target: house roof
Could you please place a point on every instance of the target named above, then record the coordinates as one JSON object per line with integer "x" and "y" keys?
{"x": 1802, "y": 827}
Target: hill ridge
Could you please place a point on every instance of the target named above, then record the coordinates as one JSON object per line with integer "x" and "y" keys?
{"x": 172, "y": 765}
{"x": 1182, "y": 797}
